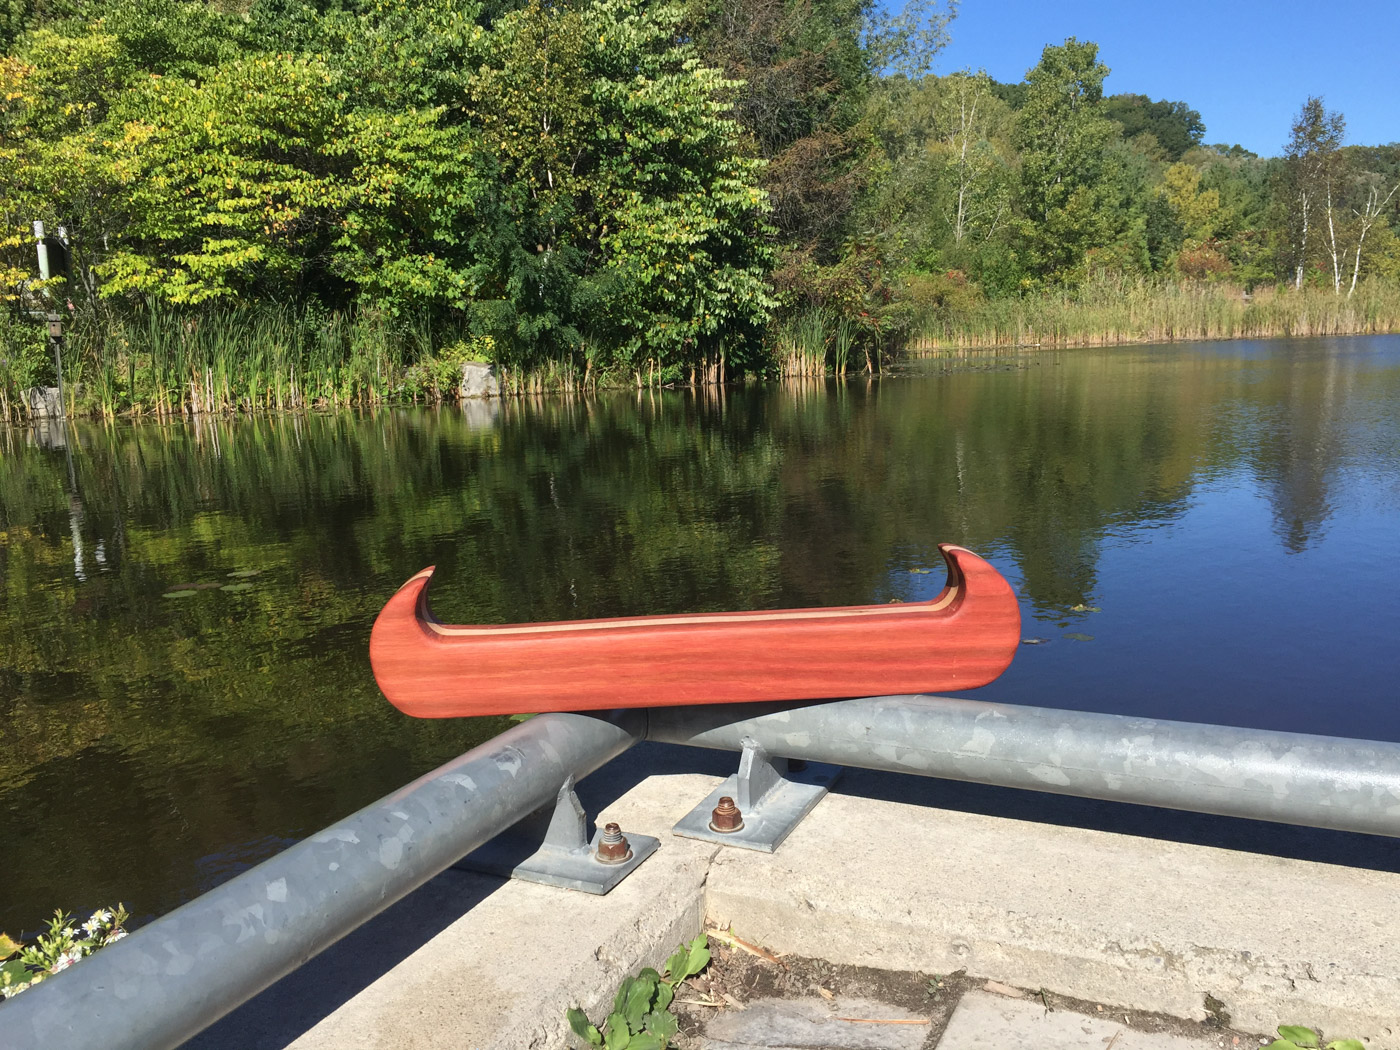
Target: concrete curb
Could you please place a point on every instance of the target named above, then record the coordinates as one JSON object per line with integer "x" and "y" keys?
{"x": 1119, "y": 919}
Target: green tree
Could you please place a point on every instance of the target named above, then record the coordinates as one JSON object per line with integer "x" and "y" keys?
{"x": 972, "y": 124}
{"x": 13, "y": 15}
{"x": 946, "y": 191}
{"x": 1063, "y": 137}
{"x": 1199, "y": 215}
{"x": 15, "y": 103}
{"x": 1373, "y": 198}
{"x": 802, "y": 76}
{"x": 1173, "y": 127}
{"x": 1307, "y": 180}
{"x": 681, "y": 234}
{"x": 227, "y": 180}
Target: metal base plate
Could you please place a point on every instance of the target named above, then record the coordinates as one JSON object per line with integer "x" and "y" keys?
{"x": 520, "y": 856}
{"x": 767, "y": 825}
{"x": 552, "y": 847}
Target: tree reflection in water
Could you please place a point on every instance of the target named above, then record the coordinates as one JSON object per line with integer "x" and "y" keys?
{"x": 155, "y": 745}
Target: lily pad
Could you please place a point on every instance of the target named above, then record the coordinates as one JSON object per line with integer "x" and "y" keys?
{"x": 1085, "y": 608}
{"x": 1034, "y": 641}
{"x": 920, "y": 572}
{"x": 241, "y": 573}
{"x": 237, "y": 587}
{"x": 1075, "y": 636}
{"x": 184, "y": 592}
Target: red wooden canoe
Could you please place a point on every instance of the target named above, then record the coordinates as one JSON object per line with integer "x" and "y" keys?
{"x": 961, "y": 639}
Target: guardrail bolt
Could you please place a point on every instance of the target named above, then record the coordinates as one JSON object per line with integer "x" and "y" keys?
{"x": 613, "y": 848}
{"x": 726, "y": 817}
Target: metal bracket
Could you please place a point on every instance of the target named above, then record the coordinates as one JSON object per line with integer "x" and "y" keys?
{"x": 771, "y": 796}
{"x": 560, "y": 854}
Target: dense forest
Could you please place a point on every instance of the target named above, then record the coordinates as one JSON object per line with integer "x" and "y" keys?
{"x": 270, "y": 203}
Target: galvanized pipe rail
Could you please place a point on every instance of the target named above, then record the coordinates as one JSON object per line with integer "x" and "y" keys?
{"x": 169, "y": 980}
{"x": 1290, "y": 778}
{"x": 175, "y": 977}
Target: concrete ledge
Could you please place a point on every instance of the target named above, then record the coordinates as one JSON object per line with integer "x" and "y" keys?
{"x": 992, "y": 1022}
{"x": 889, "y": 882}
{"x": 1119, "y": 919}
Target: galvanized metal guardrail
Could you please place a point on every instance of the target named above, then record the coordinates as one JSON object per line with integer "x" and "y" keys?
{"x": 1289, "y": 778}
{"x": 176, "y": 976}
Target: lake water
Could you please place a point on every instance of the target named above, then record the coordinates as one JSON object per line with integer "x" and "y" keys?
{"x": 1203, "y": 532}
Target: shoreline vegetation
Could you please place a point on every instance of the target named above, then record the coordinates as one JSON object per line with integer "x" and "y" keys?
{"x": 290, "y": 205}
{"x": 1121, "y": 313}
{"x": 228, "y": 360}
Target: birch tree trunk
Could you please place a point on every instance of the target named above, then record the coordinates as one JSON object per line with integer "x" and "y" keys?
{"x": 1369, "y": 213}
{"x": 1332, "y": 243}
{"x": 1303, "y": 202}
{"x": 962, "y": 133}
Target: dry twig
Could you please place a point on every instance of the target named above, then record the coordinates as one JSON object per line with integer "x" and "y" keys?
{"x": 728, "y": 937}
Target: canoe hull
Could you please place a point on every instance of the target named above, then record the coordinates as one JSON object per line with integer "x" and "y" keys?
{"x": 962, "y": 639}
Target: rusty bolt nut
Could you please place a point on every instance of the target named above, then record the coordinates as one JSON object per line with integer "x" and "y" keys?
{"x": 725, "y": 817}
{"x": 613, "y": 847}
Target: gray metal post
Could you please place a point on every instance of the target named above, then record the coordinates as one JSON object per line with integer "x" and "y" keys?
{"x": 41, "y": 249}
{"x": 169, "y": 980}
{"x": 53, "y": 320}
{"x": 1292, "y": 778}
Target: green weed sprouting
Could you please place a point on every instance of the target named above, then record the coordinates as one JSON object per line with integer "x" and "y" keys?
{"x": 1296, "y": 1037}
{"x": 641, "y": 1017}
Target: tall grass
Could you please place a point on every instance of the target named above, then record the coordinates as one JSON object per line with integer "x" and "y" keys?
{"x": 260, "y": 357}
{"x": 248, "y": 359}
{"x": 154, "y": 360}
{"x": 1110, "y": 311}
{"x": 264, "y": 357}
{"x": 816, "y": 342}
{"x": 553, "y": 374}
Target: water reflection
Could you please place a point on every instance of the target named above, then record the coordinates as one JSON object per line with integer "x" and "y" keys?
{"x": 1196, "y": 532}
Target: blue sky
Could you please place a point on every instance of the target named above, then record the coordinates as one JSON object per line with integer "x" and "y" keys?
{"x": 1245, "y": 65}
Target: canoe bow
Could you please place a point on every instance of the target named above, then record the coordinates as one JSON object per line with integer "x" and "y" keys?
{"x": 960, "y": 639}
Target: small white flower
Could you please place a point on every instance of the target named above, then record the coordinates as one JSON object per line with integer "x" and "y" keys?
{"x": 64, "y": 961}
{"x": 101, "y": 915}
{"x": 115, "y": 936}
{"x": 92, "y": 925}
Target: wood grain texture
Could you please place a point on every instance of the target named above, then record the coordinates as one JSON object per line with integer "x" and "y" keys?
{"x": 963, "y": 638}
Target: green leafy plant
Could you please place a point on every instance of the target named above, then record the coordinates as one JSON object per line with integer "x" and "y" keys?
{"x": 1296, "y": 1037}
{"x": 440, "y": 375}
{"x": 57, "y": 950}
{"x": 641, "y": 1017}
